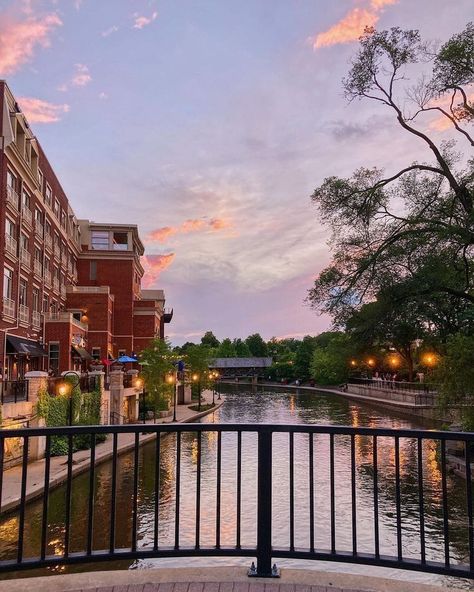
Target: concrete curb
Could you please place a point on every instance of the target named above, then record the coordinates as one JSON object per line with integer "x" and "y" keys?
{"x": 324, "y": 580}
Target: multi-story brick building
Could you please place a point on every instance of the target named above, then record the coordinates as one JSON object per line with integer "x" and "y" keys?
{"x": 71, "y": 288}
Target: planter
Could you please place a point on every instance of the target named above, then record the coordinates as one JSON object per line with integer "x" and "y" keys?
{"x": 96, "y": 367}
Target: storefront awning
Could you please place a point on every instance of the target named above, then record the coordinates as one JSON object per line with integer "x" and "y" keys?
{"x": 25, "y": 347}
{"x": 81, "y": 352}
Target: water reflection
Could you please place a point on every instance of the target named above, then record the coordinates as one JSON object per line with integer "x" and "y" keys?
{"x": 260, "y": 406}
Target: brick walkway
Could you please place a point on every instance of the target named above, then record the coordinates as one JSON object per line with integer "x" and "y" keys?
{"x": 219, "y": 587}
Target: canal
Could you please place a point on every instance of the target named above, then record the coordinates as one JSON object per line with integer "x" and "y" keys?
{"x": 243, "y": 405}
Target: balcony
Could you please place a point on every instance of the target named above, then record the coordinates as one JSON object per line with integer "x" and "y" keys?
{"x": 12, "y": 197}
{"x": 38, "y": 268}
{"x": 63, "y": 292}
{"x": 24, "y": 314}
{"x": 47, "y": 277}
{"x": 36, "y": 319}
{"x": 56, "y": 284}
{"x": 167, "y": 315}
{"x": 64, "y": 317}
{"x": 48, "y": 242}
{"x": 8, "y": 307}
{"x": 57, "y": 254}
{"x": 27, "y": 215}
{"x": 10, "y": 245}
{"x": 25, "y": 258}
{"x": 39, "y": 229}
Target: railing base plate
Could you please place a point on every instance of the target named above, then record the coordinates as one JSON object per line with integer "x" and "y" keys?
{"x": 254, "y": 573}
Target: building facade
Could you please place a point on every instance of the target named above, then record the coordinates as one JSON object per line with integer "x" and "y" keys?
{"x": 71, "y": 288}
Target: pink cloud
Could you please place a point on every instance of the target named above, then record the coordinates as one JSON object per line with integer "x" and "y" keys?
{"x": 38, "y": 111}
{"x": 352, "y": 25}
{"x": 191, "y": 225}
{"x": 20, "y": 38}
{"x": 143, "y": 21}
{"x": 153, "y": 266}
{"x": 82, "y": 76}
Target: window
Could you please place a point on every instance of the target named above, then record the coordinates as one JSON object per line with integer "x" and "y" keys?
{"x": 56, "y": 208}
{"x": 9, "y": 228}
{"x": 11, "y": 180}
{"x": 46, "y": 263}
{"x": 77, "y": 316}
{"x": 120, "y": 241}
{"x": 38, "y": 255}
{"x": 99, "y": 240}
{"x": 45, "y": 303}
{"x": 56, "y": 242}
{"x": 53, "y": 307}
{"x": 7, "y": 283}
{"x": 95, "y": 353}
{"x": 40, "y": 180}
{"x": 122, "y": 352}
{"x": 24, "y": 242}
{"x": 26, "y": 199}
{"x": 63, "y": 219}
{"x": 93, "y": 270}
{"x": 23, "y": 292}
{"x": 38, "y": 216}
{"x": 48, "y": 198}
{"x": 47, "y": 228}
{"x": 35, "y": 299}
{"x": 53, "y": 355}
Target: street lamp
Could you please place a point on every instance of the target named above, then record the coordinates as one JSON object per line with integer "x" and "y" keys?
{"x": 170, "y": 379}
{"x": 218, "y": 392}
{"x": 67, "y": 387}
{"x": 139, "y": 383}
{"x": 196, "y": 379}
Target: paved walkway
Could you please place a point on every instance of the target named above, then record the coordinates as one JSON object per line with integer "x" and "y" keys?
{"x": 81, "y": 460}
{"x": 214, "y": 579}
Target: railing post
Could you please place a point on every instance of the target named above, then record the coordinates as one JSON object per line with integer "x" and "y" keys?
{"x": 264, "y": 508}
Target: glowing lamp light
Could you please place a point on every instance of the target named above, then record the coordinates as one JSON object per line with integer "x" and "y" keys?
{"x": 170, "y": 379}
{"x": 429, "y": 359}
{"x": 353, "y": 363}
{"x": 195, "y": 377}
{"x": 63, "y": 389}
{"x": 371, "y": 362}
{"x": 139, "y": 383}
{"x": 394, "y": 362}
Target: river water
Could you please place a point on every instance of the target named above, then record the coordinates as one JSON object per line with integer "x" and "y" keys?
{"x": 243, "y": 405}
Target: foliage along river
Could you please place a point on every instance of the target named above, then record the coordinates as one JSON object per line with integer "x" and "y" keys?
{"x": 260, "y": 406}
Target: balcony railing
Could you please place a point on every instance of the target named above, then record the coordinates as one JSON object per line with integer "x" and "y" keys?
{"x": 27, "y": 215}
{"x": 275, "y": 493}
{"x": 12, "y": 197}
{"x": 14, "y": 391}
{"x": 38, "y": 268}
{"x": 8, "y": 307}
{"x": 25, "y": 258}
{"x": 24, "y": 314}
{"x": 63, "y": 292}
{"x": 36, "y": 319}
{"x": 47, "y": 277}
{"x": 39, "y": 229}
{"x": 56, "y": 284}
{"x": 10, "y": 245}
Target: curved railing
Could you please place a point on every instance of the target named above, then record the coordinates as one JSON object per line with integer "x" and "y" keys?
{"x": 327, "y": 493}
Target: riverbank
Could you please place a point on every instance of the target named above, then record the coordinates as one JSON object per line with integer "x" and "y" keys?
{"x": 427, "y": 412}
{"x": 11, "y": 487}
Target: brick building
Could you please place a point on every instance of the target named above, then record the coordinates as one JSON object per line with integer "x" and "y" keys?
{"x": 71, "y": 288}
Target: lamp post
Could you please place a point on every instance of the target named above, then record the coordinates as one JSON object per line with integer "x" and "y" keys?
{"x": 67, "y": 387}
{"x": 196, "y": 378}
{"x": 141, "y": 395}
{"x": 219, "y": 392}
{"x": 170, "y": 379}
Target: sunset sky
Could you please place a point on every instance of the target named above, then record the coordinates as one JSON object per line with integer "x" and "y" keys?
{"x": 209, "y": 123}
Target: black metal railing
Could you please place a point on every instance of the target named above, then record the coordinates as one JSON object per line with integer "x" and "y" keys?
{"x": 398, "y": 385}
{"x": 14, "y": 391}
{"x": 345, "y": 541}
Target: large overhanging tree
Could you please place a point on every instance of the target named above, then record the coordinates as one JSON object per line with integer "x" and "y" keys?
{"x": 414, "y": 226}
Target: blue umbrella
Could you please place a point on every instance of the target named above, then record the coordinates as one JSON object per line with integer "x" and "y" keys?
{"x": 125, "y": 359}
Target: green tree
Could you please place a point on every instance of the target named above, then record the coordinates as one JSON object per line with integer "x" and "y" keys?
{"x": 256, "y": 345}
{"x": 157, "y": 363}
{"x": 330, "y": 364}
{"x": 304, "y": 356}
{"x": 241, "y": 348}
{"x": 197, "y": 361}
{"x": 414, "y": 225}
{"x": 210, "y": 339}
{"x": 226, "y": 349}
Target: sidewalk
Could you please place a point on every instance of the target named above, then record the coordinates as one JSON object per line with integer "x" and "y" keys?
{"x": 81, "y": 460}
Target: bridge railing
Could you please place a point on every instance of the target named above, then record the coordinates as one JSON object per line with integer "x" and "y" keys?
{"x": 261, "y": 491}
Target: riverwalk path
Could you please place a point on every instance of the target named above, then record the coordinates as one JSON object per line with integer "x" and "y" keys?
{"x": 215, "y": 579}
{"x": 11, "y": 486}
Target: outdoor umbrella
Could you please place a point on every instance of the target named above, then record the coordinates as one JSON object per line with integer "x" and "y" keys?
{"x": 125, "y": 359}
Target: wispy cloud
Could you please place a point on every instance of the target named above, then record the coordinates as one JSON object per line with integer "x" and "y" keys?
{"x": 81, "y": 77}
{"x": 352, "y": 25}
{"x": 19, "y": 39}
{"x": 141, "y": 21}
{"x": 162, "y": 234}
{"x": 154, "y": 265}
{"x": 39, "y": 111}
{"x": 110, "y": 31}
